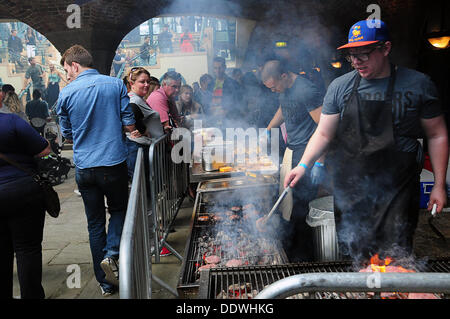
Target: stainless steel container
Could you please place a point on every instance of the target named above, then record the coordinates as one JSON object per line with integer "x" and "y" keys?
{"x": 213, "y": 159}
{"x": 321, "y": 219}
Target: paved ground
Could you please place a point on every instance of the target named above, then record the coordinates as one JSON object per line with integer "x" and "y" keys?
{"x": 66, "y": 248}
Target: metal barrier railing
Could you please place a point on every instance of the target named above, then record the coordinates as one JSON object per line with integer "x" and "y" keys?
{"x": 357, "y": 282}
{"x": 145, "y": 230}
{"x": 135, "y": 262}
{"x": 168, "y": 184}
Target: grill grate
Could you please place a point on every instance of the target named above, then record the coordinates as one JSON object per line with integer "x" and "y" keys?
{"x": 271, "y": 253}
{"x": 225, "y": 231}
{"x": 246, "y": 283}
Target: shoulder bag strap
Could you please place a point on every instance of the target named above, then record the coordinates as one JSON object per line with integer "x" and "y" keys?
{"x": 15, "y": 164}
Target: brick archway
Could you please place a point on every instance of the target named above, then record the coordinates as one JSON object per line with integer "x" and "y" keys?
{"x": 104, "y": 23}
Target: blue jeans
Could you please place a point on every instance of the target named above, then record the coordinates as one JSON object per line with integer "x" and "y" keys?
{"x": 94, "y": 184}
{"x": 132, "y": 148}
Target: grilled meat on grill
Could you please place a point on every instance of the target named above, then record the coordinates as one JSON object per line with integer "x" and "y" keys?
{"x": 207, "y": 266}
{"x": 234, "y": 263}
{"x": 213, "y": 259}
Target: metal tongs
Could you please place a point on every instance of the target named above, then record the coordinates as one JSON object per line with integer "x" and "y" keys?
{"x": 264, "y": 219}
{"x": 430, "y": 222}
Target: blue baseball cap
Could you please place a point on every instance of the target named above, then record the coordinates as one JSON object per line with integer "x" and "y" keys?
{"x": 366, "y": 32}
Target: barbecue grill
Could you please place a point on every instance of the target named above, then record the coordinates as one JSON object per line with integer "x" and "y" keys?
{"x": 248, "y": 282}
{"x": 217, "y": 230}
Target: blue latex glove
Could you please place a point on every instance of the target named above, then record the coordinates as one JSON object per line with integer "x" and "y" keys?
{"x": 318, "y": 173}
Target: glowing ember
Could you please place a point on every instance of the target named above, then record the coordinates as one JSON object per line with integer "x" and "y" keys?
{"x": 380, "y": 265}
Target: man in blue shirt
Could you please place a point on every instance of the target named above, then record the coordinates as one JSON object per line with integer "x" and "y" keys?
{"x": 93, "y": 111}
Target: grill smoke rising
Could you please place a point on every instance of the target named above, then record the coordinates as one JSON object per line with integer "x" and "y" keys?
{"x": 312, "y": 39}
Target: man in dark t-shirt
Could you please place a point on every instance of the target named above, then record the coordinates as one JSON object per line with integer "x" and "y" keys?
{"x": 165, "y": 40}
{"x": 415, "y": 96}
{"x": 36, "y": 73}
{"x": 300, "y": 108}
{"x": 371, "y": 120}
{"x": 37, "y": 112}
{"x": 144, "y": 50}
{"x": 118, "y": 61}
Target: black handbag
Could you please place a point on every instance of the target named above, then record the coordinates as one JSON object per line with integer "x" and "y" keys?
{"x": 51, "y": 198}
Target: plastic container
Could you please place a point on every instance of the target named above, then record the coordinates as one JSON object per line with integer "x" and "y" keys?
{"x": 321, "y": 219}
{"x": 426, "y": 185}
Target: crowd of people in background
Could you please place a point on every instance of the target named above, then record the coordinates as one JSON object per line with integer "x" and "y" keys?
{"x": 23, "y": 54}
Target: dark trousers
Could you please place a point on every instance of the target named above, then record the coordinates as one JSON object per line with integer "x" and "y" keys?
{"x": 298, "y": 236}
{"x": 21, "y": 230}
{"x": 94, "y": 184}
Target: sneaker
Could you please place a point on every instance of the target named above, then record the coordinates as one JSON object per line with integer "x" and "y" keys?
{"x": 76, "y": 191}
{"x": 111, "y": 269}
{"x": 165, "y": 252}
{"x": 106, "y": 291}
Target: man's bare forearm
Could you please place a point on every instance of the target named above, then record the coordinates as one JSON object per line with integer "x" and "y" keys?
{"x": 276, "y": 120}
{"x": 438, "y": 150}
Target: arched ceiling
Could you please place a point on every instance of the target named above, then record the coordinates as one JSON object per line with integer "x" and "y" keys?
{"x": 105, "y": 22}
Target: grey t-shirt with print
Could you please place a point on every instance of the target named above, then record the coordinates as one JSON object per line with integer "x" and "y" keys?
{"x": 415, "y": 97}
{"x": 296, "y": 103}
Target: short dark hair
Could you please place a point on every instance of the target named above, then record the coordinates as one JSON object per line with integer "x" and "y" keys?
{"x": 273, "y": 69}
{"x": 154, "y": 80}
{"x": 36, "y": 94}
{"x": 30, "y": 59}
{"x": 171, "y": 75}
{"x": 219, "y": 59}
{"x": 7, "y": 88}
{"x": 78, "y": 54}
{"x": 205, "y": 77}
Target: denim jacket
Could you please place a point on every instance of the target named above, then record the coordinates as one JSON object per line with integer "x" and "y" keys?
{"x": 92, "y": 110}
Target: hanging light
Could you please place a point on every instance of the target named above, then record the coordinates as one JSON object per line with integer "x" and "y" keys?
{"x": 438, "y": 31}
{"x": 440, "y": 42}
{"x": 336, "y": 64}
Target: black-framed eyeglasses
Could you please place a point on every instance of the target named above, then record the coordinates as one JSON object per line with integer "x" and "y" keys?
{"x": 363, "y": 57}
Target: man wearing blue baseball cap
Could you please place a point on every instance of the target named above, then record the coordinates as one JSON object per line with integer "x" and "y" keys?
{"x": 371, "y": 120}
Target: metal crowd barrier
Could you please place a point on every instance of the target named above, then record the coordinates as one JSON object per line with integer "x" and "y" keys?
{"x": 135, "y": 262}
{"x": 357, "y": 282}
{"x": 149, "y": 218}
{"x": 168, "y": 186}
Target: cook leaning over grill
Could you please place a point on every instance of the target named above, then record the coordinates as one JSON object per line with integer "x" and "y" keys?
{"x": 373, "y": 155}
{"x": 300, "y": 107}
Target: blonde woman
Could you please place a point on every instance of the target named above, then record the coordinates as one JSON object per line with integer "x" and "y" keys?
{"x": 148, "y": 121}
{"x": 12, "y": 104}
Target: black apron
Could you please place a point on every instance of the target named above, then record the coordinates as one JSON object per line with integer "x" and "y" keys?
{"x": 375, "y": 186}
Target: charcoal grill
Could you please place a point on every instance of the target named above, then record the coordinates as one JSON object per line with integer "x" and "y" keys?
{"x": 248, "y": 282}
{"x": 205, "y": 231}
